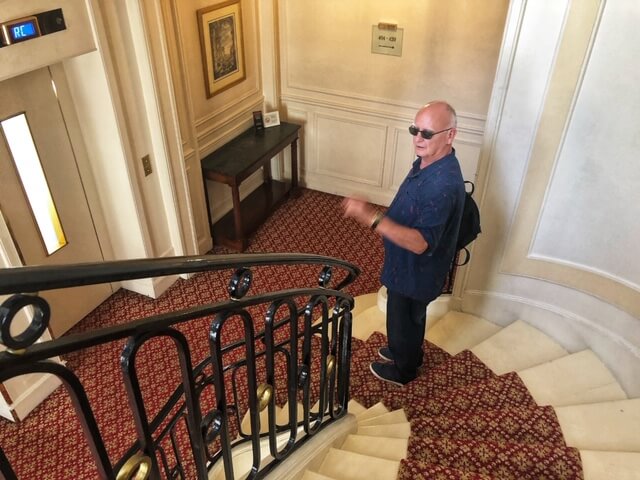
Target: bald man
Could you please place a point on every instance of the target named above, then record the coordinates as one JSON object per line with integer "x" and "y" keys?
{"x": 419, "y": 232}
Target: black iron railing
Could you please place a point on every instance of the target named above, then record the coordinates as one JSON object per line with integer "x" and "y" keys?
{"x": 294, "y": 345}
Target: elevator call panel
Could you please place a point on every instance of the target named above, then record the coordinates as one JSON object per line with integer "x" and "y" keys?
{"x": 33, "y": 26}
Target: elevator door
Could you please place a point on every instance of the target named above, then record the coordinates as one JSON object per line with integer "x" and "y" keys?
{"x": 35, "y": 146}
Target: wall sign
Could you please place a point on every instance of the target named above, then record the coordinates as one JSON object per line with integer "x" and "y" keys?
{"x": 386, "y": 39}
{"x": 26, "y": 28}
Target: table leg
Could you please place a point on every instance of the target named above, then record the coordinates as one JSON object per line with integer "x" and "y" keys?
{"x": 294, "y": 168}
{"x": 237, "y": 215}
{"x": 206, "y": 201}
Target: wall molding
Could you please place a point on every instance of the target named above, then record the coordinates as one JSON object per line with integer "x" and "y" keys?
{"x": 228, "y": 111}
{"x": 548, "y": 308}
{"x": 226, "y": 128}
{"x": 467, "y": 122}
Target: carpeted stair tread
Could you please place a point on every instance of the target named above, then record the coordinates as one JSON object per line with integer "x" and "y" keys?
{"x": 562, "y": 381}
{"x": 367, "y": 389}
{"x": 602, "y": 426}
{"x": 461, "y": 370}
{"x": 598, "y": 465}
{"x": 415, "y": 470}
{"x": 507, "y": 461}
{"x": 516, "y": 425}
{"x": 504, "y": 391}
{"x": 458, "y": 331}
{"x": 345, "y": 465}
{"x": 383, "y": 447}
{"x": 516, "y": 347}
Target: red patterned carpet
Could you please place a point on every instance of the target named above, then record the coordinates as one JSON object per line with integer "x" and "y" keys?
{"x": 467, "y": 423}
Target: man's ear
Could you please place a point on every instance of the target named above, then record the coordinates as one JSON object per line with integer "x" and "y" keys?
{"x": 451, "y": 134}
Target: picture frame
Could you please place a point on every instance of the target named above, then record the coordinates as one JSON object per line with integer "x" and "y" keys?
{"x": 271, "y": 119}
{"x": 221, "y": 44}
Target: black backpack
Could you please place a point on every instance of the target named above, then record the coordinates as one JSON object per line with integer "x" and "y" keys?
{"x": 469, "y": 225}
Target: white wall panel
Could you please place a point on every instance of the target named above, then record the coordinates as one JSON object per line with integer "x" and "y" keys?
{"x": 594, "y": 192}
{"x": 350, "y": 149}
{"x": 403, "y": 157}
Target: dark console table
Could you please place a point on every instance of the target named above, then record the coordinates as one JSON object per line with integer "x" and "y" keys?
{"x": 235, "y": 162}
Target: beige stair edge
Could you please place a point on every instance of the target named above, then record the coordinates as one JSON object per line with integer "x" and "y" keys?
{"x": 373, "y": 411}
{"x": 597, "y": 465}
{"x": 354, "y": 466}
{"x": 361, "y": 303}
{"x": 309, "y": 475}
{"x": 367, "y": 322}
{"x": 435, "y": 312}
{"x": 356, "y": 408}
{"x": 563, "y": 381}
{"x": 395, "y": 416}
{"x": 608, "y": 426}
{"x": 383, "y": 447}
{"x": 458, "y": 331}
{"x": 310, "y": 455}
{"x": 393, "y": 430}
{"x": 516, "y": 347}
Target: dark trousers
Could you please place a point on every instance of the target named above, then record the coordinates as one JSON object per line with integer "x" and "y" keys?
{"x": 406, "y": 323}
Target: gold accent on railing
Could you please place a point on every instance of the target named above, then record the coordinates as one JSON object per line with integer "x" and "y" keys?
{"x": 138, "y": 467}
{"x": 331, "y": 364}
{"x": 265, "y": 392}
{"x": 19, "y": 351}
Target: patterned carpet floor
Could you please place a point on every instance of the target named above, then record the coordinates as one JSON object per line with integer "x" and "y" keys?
{"x": 467, "y": 423}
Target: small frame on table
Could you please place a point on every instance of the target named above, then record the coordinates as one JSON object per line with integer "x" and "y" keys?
{"x": 271, "y": 119}
{"x": 221, "y": 34}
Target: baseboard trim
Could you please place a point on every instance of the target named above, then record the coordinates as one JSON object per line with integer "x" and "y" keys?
{"x": 572, "y": 331}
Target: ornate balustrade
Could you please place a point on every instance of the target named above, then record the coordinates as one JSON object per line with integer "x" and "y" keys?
{"x": 261, "y": 349}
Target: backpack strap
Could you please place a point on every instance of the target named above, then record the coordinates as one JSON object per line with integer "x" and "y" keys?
{"x": 467, "y": 257}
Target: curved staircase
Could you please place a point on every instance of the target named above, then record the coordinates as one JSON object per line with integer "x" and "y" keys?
{"x": 490, "y": 403}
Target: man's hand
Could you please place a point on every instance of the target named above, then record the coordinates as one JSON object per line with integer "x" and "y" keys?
{"x": 360, "y": 210}
{"x": 405, "y": 237}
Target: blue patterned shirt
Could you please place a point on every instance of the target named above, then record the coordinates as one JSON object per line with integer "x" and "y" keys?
{"x": 429, "y": 200}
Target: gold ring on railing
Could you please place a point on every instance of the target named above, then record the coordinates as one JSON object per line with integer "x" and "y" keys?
{"x": 265, "y": 391}
{"x": 138, "y": 467}
{"x": 19, "y": 351}
{"x": 331, "y": 364}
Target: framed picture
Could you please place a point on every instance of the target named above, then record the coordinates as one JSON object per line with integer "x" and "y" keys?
{"x": 271, "y": 119}
{"x": 221, "y": 44}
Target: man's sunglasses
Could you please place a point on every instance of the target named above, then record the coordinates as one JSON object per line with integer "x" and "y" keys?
{"x": 426, "y": 134}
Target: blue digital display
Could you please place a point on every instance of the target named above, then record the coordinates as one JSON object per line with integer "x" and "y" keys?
{"x": 25, "y": 30}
